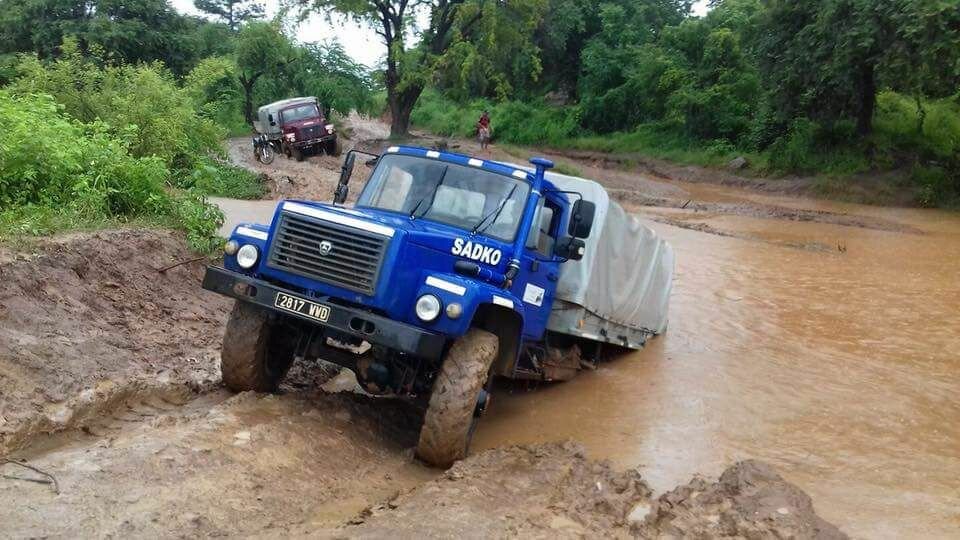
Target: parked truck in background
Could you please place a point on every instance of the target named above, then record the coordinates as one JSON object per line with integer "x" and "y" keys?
{"x": 448, "y": 271}
{"x": 296, "y": 126}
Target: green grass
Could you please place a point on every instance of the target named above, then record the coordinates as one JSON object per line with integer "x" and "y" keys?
{"x": 900, "y": 161}
{"x": 567, "y": 169}
{"x": 223, "y": 180}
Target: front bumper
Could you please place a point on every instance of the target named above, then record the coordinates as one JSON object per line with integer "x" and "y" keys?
{"x": 313, "y": 142}
{"x": 375, "y": 329}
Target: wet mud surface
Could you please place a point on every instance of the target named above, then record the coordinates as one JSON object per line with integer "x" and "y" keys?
{"x": 110, "y": 395}
{"x": 821, "y": 343}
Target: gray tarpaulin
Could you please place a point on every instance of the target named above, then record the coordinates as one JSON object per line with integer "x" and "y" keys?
{"x": 626, "y": 274}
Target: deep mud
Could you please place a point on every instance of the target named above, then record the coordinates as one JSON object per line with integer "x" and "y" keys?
{"x": 109, "y": 383}
{"x": 88, "y": 320}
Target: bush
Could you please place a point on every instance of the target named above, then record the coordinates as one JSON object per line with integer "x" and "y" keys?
{"x": 141, "y": 105}
{"x": 58, "y": 173}
{"x": 223, "y": 180}
{"x": 512, "y": 121}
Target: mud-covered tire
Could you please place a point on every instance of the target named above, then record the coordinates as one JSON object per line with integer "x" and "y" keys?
{"x": 257, "y": 351}
{"x": 335, "y": 147}
{"x": 448, "y": 422}
{"x": 296, "y": 153}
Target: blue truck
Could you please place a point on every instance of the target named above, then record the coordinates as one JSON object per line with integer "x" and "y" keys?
{"x": 447, "y": 271}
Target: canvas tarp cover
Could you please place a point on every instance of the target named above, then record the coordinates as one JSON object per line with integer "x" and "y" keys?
{"x": 626, "y": 274}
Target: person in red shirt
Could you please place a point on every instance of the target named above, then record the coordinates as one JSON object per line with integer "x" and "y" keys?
{"x": 483, "y": 130}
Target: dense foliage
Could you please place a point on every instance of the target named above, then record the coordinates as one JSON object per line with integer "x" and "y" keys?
{"x": 474, "y": 43}
{"x": 115, "y": 113}
{"x": 57, "y": 172}
{"x": 835, "y": 87}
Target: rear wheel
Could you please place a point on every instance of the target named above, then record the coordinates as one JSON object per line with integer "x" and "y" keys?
{"x": 455, "y": 400}
{"x": 257, "y": 349}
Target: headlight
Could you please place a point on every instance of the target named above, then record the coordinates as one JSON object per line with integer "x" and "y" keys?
{"x": 329, "y": 128}
{"x": 428, "y": 307}
{"x": 291, "y": 136}
{"x": 247, "y": 256}
{"x": 231, "y": 247}
{"x": 454, "y": 310}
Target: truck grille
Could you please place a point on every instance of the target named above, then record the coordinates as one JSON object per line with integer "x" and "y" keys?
{"x": 312, "y": 132}
{"x": 353, "y": 262}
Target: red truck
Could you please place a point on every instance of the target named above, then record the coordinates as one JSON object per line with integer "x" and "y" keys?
{"x": 296, "y": 126}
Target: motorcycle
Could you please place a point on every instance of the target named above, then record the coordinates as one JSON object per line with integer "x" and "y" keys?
{"x": 262, "y": 149}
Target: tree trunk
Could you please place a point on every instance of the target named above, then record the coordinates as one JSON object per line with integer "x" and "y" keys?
{"x": 401, "y": 105}
{"x": 867, "y": 87}
{"x": 247, "y": 85}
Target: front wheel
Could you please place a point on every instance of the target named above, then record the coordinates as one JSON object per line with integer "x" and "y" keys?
{"x": 265, "y": 154}
{"x": 335, "y": 147}
{"x": 454, "y": 403}
{"x": 257, "y": 350}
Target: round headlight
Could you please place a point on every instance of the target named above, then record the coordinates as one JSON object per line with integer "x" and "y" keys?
{"x": 428, "y": 307}
{"x": 231, "y": 247}
{"x": 247, "y": 256}
{"x": 454, "y": 310}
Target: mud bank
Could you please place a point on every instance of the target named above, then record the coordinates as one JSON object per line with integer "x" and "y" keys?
{"x": 554, "y": 490}
{"x": 87, "y": 320}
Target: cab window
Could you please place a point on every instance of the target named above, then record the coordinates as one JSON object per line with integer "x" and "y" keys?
{"x": 543, "y": 232}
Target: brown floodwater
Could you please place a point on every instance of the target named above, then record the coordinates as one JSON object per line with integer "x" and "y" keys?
{"x": 841, "y": 369}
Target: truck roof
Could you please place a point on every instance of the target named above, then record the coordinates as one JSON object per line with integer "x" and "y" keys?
{"x": 283, "y": 103}
{"x": 463, "y": 159}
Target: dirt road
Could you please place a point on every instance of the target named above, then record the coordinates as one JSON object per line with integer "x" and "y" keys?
{"x": 816, "y": 335}
{"x": 110, "y": 400}
{"x": 787, "y": 343}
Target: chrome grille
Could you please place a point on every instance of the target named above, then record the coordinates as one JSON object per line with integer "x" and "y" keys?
{"x": 352, "y": 262}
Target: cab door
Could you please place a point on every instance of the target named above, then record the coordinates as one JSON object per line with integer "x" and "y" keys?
{"x": 536, "y": 284}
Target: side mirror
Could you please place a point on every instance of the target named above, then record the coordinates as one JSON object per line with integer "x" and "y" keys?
{"x": 570, "y": 248}
{"x": 581, "y": 219}
{"x": 272, "y": 121}
{"x": 340, "y": 195}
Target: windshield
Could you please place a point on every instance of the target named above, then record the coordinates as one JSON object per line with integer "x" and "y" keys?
{"x": 300, "y": 112}
{"x": 464, "y": 197}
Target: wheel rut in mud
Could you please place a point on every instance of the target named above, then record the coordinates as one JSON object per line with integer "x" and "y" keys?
{"x": 109, "y": 382}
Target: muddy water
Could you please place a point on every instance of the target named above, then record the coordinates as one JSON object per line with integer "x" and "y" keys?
{"x": 840, "y": 368}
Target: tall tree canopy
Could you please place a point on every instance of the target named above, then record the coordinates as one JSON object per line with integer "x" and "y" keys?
{"x": 126, "y": 30}
{"x": 233, "y": 13}
{"x": 454, "y": 25}
{"x": 827, "y": 59}
{"x": 261, "y": 50}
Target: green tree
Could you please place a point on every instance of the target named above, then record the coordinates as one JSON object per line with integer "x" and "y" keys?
{"x": 126, "y": 31}
{"x": 326, "y": 71}
{"x": 410, "y": 68}
{"x": 827, "y": 59}
{"x": 233, "y": 13}
{"x": 261, "y": 50}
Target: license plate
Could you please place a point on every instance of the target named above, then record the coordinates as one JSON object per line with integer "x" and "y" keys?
{"x": 293, "y": 304}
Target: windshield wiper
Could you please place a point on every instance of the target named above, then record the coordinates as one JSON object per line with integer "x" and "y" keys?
{"x": 495, "y": 214}
{"x": 433, "y": 193}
